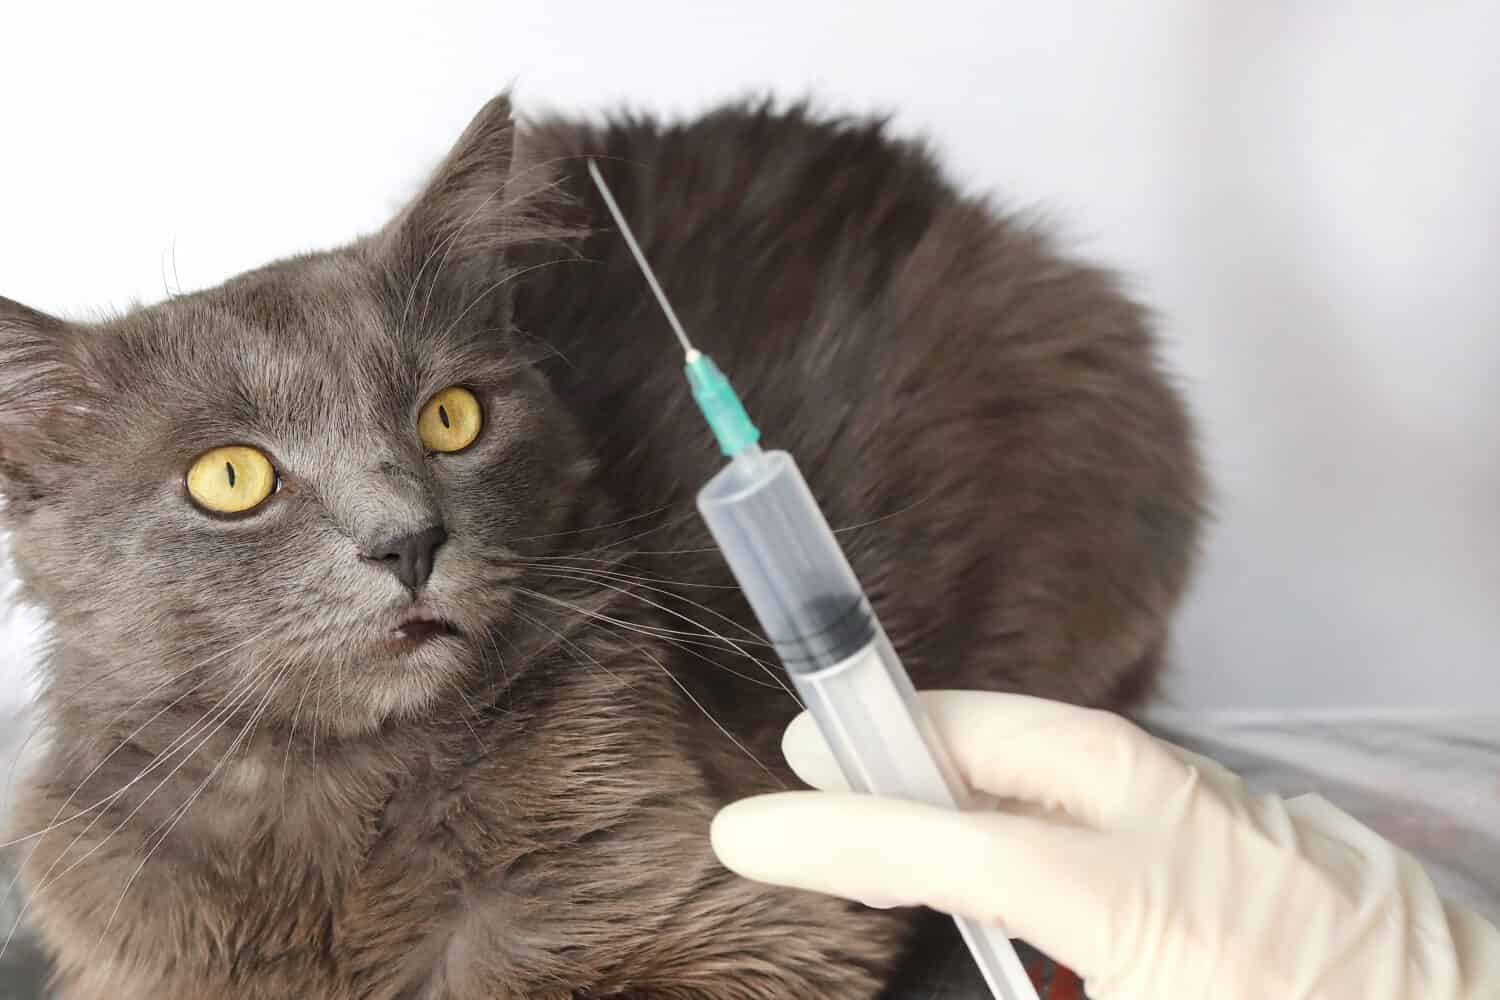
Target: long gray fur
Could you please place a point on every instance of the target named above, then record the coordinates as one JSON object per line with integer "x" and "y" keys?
{"x": 520, "y": 809}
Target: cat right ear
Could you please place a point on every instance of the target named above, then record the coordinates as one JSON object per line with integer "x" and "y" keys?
{"x": 449, "y": 248}
{"x": 44, "y": 394}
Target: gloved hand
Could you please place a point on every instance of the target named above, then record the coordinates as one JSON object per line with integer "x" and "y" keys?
{"x": 1150, "y": 871}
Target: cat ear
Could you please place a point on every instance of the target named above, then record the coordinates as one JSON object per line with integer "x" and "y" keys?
{"x": 44, "y": 394}
{"x": 446, "y": 251}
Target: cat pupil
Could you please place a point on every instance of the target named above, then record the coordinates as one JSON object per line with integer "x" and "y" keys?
{"x": 229, "y": 469}
{"x": 443, "y": 415}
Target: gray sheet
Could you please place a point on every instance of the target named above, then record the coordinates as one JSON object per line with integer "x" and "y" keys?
{"x": 1428, "y": 781}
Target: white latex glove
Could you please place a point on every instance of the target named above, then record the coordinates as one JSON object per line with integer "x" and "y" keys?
{"x": 1151, "y": 872}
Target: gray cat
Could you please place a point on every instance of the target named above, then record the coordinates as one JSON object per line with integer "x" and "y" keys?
{"x": 390, "y": 659}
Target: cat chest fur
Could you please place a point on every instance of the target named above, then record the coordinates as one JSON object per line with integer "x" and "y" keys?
{"x": 476, "y": 858}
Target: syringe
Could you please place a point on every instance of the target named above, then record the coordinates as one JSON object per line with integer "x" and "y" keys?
{"x": 810, "y": 605}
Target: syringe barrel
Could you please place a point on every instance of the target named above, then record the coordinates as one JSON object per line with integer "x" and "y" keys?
{"x": 812, "y": 608}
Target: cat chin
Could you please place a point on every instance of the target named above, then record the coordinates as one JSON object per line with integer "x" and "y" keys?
{"x": 399, "y": 688}
{"x": 398, "y": 699}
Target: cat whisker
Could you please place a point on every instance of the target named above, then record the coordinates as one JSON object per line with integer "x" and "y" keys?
{"x": 708, "y": 634}
{"x": 710, "y": 717}
{"x": 512, "y": 276}
{"x": 126, "y": 665}
{"x": 733, "y": 644}
{"x": 313, "y": 674}
{"x": 245, "y": 735}
{"x": 442, "y": 246}
{"x": 571, "y": 645}
{"x": 653, "y": 659}
{"x": 225, "y": 709}
{"x": 489, "y": 638}
{"x": 667, "y": 636}
{"x": 247, "y": 732}
{"x": 886, "y": 517}
{"x": 646, "y": 583}
{"x": 10, "y": 773}
{"x": 650, "y": 631}
{"x": 612, "y": 567}
{"x": 317, "y": 719}
{"x": 342, "y": 689}
{"x": 594, "y": 527}
{"x": 54, "y": 824}
{"x": 552, "y": 350}
{"x": 453, "y": 239}
{"x": 709, "y": 548}
{"x": 216, "y": 717}
{"x": 446, "y": 244}
{"x": 688, "y": 648}
{"x": 663, "y": 552}
{"x": 155, "y": 688}
{"x": 615, "y": 546}
{"x": 474, "y": 712}
{"x": 255, "y": 719}
{"x": 167, "y": 290}
{"x": 176, "y": 278}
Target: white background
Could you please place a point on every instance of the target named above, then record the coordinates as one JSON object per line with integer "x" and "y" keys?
{"x": 1308, "y": 193}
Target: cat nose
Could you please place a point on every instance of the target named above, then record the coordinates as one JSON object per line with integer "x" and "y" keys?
{"x": 409, "y": 556}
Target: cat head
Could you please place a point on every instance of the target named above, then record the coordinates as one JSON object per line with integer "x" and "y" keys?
{"x": 319, "y": 473}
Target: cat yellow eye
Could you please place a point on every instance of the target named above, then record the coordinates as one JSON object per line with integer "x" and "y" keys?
{"x": 450, "y": 421}
{"x": 231, "y": 480}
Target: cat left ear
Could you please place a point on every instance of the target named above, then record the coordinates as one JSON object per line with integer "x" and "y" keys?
{"x": 447, "y": 249}
{"x": 44, "y": 393}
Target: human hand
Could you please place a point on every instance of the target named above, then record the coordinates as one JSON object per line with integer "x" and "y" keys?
{"x": 1150, "y": 871}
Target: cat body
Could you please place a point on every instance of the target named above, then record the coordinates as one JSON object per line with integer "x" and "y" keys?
{"x": 280, "y": 764}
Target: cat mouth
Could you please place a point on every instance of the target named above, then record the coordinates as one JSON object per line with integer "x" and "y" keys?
{"x": 417, "y": 627}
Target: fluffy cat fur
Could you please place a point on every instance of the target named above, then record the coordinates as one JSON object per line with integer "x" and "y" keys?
{"x": 249, "y": 794}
